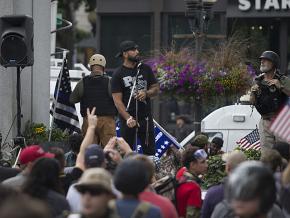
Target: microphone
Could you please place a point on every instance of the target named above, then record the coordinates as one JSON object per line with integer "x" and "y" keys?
{"x": 139, "y": 65}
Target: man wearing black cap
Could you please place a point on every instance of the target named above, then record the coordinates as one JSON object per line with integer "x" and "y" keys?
{"x": 146, "y": 87}
{"x": 269, "y": 95}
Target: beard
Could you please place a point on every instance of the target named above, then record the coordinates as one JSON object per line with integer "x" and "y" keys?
{"x": 265, "y": 68}
{"x": 134, "y": 59}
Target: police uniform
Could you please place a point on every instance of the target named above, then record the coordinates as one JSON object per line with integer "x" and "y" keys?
{"x": 269, "y": 100}
{"x": 94, "y": 91}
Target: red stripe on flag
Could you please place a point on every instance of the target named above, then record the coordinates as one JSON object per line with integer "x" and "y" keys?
{"x": 281, "y": 125}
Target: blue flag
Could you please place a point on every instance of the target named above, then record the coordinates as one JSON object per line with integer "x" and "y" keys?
{"x": 163, "y": 140}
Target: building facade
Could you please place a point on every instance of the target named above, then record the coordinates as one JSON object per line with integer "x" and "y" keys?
{"x": 160, "y": 24}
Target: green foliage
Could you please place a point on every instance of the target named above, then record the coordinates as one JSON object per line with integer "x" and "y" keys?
{"x": 215, "y": 172}
{"x": 38, "y": 133}
{"x": 81, "y": 34}
{"x": 251, "y": 154}
{"x": 216, "y": 167}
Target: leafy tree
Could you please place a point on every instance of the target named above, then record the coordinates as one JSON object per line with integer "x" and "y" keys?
{"x": 67, "y": 38}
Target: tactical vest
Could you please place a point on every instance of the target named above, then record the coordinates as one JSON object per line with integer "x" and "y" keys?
{"x": 269, "y": 99}
{"x": 96, "y": 94}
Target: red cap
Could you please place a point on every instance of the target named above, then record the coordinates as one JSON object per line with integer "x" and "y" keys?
{"x": 32, "y": 153}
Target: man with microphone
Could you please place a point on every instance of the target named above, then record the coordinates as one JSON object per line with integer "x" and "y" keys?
{"x": 134, "y": 82}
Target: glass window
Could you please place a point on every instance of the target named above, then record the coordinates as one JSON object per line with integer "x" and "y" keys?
{"x": 179, "y": 30}
{"x": 117, "y": 28}
{"x": 262, "y": 34}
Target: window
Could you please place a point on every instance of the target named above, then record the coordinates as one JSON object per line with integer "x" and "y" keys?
{"x": 117, "y": 28}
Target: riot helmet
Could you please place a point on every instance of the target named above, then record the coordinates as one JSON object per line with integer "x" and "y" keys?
{"x": 271, "y": 56}
{"x": 97, "y": 59}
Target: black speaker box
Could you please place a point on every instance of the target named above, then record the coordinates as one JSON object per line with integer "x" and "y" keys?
{"x": 16, "y": 41}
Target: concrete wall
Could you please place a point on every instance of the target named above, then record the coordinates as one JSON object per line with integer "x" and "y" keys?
{"x": 35, "y": 79}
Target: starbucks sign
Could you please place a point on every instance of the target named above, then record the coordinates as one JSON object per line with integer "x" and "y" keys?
{"x": 245, "y": 5}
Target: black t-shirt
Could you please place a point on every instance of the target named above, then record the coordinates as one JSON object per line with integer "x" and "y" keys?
{"x": 123, "y": 80}
{"x": 6, "y": 173}
{"x": 69, "y": 178}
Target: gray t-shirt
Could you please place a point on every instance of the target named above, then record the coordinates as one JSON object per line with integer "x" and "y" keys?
{"x": 15, "y": 182}
{"x": 223, "y": 210}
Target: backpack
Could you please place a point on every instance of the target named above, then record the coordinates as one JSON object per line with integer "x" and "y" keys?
{"x": 140, "y": 211}
{"x": 166, "y": 187}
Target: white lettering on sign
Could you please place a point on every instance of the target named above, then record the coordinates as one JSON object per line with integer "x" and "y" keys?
{"x": 286, "y": 4}
{"x": 245, "y": 5}
{"x": 258, "y": 5}
{"x": 272, "y": 4}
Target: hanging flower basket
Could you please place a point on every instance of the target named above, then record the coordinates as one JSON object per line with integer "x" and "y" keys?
{"x": 180, "y": 75}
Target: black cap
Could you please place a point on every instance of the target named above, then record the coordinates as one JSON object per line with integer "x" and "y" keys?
{"x": 94, "y": 156}
{"x": 126, "y": 46}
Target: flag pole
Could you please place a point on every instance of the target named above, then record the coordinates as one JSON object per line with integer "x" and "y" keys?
{"x": 168, "y": 135}
{"x": 56, "y": 97}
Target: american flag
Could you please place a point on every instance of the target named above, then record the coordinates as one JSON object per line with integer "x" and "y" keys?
{"x": 281, "y": 125}
{"x": 250, "y": 141}
{"x": 64, "y": 113}
{"x": 163, "y": 140}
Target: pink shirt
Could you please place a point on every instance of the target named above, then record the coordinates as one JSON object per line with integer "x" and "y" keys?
{"x": 166, "y": 206}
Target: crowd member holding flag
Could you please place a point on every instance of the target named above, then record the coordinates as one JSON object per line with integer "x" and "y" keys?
{"x": 269, "y": 95}
{"x": 95, "y": 91}
{"x": 133, "y": 85}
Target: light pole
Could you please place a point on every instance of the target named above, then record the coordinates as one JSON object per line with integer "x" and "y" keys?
{"x": 198, "y": 13}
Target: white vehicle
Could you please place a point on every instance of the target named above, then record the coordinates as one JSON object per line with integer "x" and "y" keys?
{"x": 230, "y": 123}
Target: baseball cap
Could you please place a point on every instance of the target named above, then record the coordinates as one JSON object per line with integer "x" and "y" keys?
{"x": 126, "y": 46}
{"x": 95, "y": 178}
{"x": 200, "y": 141}
{"x": 94, "y": 156}
{"x": 32, "y": 153}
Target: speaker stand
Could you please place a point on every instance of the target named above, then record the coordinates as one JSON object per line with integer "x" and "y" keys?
{"x": 18, "y": 90}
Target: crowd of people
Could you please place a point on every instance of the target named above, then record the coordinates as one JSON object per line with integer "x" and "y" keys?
{"x": 114, "y": 181}
{"x": 103, "y": 177}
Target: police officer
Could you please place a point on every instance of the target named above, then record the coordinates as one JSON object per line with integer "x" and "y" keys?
{"x": 269, "y": 95}
{"x": 95, "y": 91}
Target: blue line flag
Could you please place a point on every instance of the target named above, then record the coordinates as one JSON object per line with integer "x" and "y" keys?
{"x": 163, "y": 140}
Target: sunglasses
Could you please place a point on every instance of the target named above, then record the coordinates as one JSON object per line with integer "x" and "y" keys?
{"x": 200, "y": 154}
{"x": 92, "y": 191}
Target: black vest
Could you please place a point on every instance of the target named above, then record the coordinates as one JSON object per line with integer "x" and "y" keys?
{"x": 268, "y": 98}
{"x": 96, "y": 94}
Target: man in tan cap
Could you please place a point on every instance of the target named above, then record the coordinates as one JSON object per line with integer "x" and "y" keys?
{"x": 95, "y": 187}
{"x": 95, "y": 91}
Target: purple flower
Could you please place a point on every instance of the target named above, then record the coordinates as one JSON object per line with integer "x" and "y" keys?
{"x": 251, "y": 70}
{"x": 219, "y": 88}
